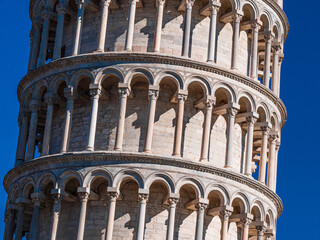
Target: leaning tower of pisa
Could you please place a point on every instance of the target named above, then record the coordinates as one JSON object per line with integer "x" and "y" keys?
{"x": 149, "y": 119}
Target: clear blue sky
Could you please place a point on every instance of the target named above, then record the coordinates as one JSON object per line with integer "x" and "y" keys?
{"x": 299, "y": 160}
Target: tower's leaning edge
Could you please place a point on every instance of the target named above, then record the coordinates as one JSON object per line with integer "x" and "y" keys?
{"x": 149, "y": 120}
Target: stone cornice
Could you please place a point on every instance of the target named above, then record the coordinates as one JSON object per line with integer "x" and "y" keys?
{"x": 124, "y": 57}
{"x": 98, "y": 158}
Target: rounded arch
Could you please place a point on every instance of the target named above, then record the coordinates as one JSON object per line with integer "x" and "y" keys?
{"x": 229, "y": 5}
{"x": 39, "y": 89}
{"x": 139, "y": 72}
{"x": 270, "y": 220}
{"x": 38, "y": 8}
{"x": 13, "y": 192}
{"x": 65, "y": 176}
{"x": 223, "y": 91}
{"x": 263, "y": 111}
{"x": 275, "y": 122}
{"x": 278, "y": 34}
{"x": 249, "y": 8}
{"x": 106, "y": 72}
{"x": 129, "y": 174}
{"x": 96, "y": 173}
{"x": 175, "y": 77}
{"x": 27, "y": 187}
{"x": 57, "y": 80}
{"x": 266, "y": 19}
{"x": 161, "y": 177}
{"x": 43, "y": 180}
{"x": 242, "y": 201}
{"x": 203, "y": 83}
{"x": 257, "y": 210}
{"x": 78, "y": 76}
{"x": 194, "y": 183}
{"x": 248, "y": 101}
{"x": 27, "y": 97}
{"x": 221, "y": 191}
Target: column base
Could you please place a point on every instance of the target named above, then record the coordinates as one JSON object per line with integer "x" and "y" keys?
{"x": 147, "y": 151}
{"x": 98, "y": 51}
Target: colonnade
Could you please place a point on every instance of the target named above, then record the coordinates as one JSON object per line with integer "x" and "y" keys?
{"x": 270, "y": 139}
{"x": 200, "y": 205}
{"x": 39, "y": 40}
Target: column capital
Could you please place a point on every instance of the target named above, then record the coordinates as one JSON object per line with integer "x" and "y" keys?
{"x": 225, "y": 214}
{"x": 37, "y": 23}
{"x": 214, "y": 5}
{"x": 133, "y": 1}
{"x": 266, "y": 129}
{"x": 105, "y": 2}
{"x": 273, "y": 138}
{"x": 256, "y": 25}
{"x": 94, "y": 91}
{"x": 210, "y": 101}
{"x": 34, "y": 105}
{"x": 276, "y": 47}
{"x": 69, "y": 93}
{"x": 182, "y": 96}
{"x": 153, "y": 92}
{"x": 113, "y": 196}
{"x": 246, "y": 221}
{"x": 62, "y": 8}
{"x": 189, "y": 3}
{"x": 251, "y": 120}
{"x": 173, "y": 201}
{"x": 37, "y": 199}
{"x": 160, "y": 2}
{"x": 237, "y": 16}
{"x": 200, "y": 206}
{"x": 232, "y": 111}
{"x": 261, "y": 229}
{"x": 123, "y": 91}
{"x": 268, "y": 36}
{"x": 49, "y": 98}
{"x": 81, "y": 3}
{"x": 56, "y": 194}
{"x": 47, "y": 13}
{"x": 83, "y": 196}
{"x": 143, "y": 195}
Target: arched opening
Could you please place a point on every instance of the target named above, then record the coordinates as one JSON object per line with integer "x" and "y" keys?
{"x": 28, "y": 209}
{"x": 265, "y": 28}
{"x": 157, "y": 213}
{"x": 224, "y": 35}
{"x": 80, "y": 115}
{"x": 165, "y": 117}
{"x": 69, "y": 204}
{"x": 58, "y": 117}
{"x": 234, "y": 227}
{"x": 185, "y": 218}
{"x": 136, "y": 114}
{"x": 97, "y": 209}
{"x": 127, "y": 210}
{"x": 193, "y": 120}
{"x": 212, "y": 220}
{"x": 108, "y": 113}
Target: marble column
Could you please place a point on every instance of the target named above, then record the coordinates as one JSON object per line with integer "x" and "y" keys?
{"x": 254, "y": 50}
{"x": 251, "y": 122}
{"x": 79, "y": 24}
{"x": 49, "y": 99}
{"x": 37, "y": 199}
{"x": 260, "y": 232}
{"x": 271, "y": 164}
{"x": 132, "y": 16}
{"x": 201, "y": 207}
{"x": 171, "y": 217}
{"x": 19, "y": 223}
{"x": 153, "y": 96}
{"x": 111, "y": 213}
{"x": 35, "y": 44}
{"x": 263, "y": 154}
{"x": 94, "y": 94}
{"x": 34, "y": 107}
{"x": 245, "y": 228}
{"x": 23, "y": 137}
{"x": 276, "y": 165}
{"x": 142, "y": 215}
{"x": 275, "y": 68}
{"x": 187, "y": 28}
{"x": 279, "y": 75}
{"x": 46, "y": 15}
{"x": 214, "y": 8}
{"x": 56, "y": 213}
{"x": 62, "y": 10}
{"x": 179, "y": 125}
{"x": 206, "y": 131}
{"x": 68, "y": 93}
{"x": 157, "y": 34}
{"x": 123, "y": 96}
{"x": 235, "y": 46}
{"x": 231, "y": 114}
{"x": 83, "y": 196}
{"x": 225, "y": 214}
{"x": 267, "y": 58}
{"x": 31, "y": 36}
{"x": 9, "y": 224}
{"x": 103, "y": 24}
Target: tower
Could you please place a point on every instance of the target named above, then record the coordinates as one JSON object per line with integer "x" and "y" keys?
{"x": 149, "y": 120}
